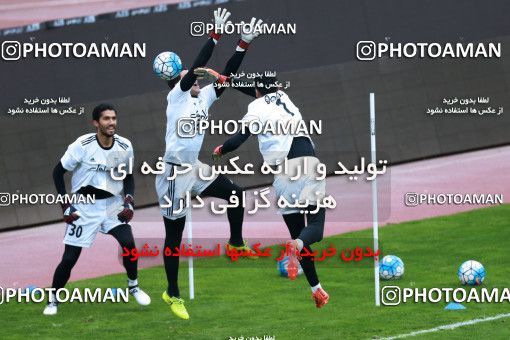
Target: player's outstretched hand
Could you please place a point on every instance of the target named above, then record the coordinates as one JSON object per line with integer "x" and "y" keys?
{"x": 70, "y": 213}
{"x": 209, "y": 75}
{"x": 127, "y": 213}
{"x": 220, "y": 19}
{"x": 252, "y": 30}
{"x": 216, "y": 155}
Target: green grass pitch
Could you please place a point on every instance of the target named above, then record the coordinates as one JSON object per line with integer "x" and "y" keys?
{"x": 253, "y": 301}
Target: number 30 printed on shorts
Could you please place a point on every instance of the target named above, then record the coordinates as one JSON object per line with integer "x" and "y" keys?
{"x": 75, "y": 230}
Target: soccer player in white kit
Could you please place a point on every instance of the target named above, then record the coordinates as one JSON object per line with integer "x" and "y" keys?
{"x": 91, "y": 158}
{"x": 272, "y": 106}
{"x": 188, "y": 102}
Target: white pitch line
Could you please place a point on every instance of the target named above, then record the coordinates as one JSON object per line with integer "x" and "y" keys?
{"x": 450, "y": 326}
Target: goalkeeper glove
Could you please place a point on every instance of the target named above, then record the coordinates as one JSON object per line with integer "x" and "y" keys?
{"x": 210, "y": 75}
{"x": 250, "y": 32}
{"x": 127, "y": 213}
{"x": 70, "y": 213}
{"x": 220, "y": 19}
{"x": 216, "y": 155}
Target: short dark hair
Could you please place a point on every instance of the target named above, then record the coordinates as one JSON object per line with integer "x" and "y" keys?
{"x": 96, "y": 113}
{"x": 262, "y": 82}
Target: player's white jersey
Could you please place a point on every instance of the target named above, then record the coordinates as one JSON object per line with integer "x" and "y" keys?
{"x": 273, "y": 108}
{"x": 91, "y": 163}
{"x": 184, "y": 113}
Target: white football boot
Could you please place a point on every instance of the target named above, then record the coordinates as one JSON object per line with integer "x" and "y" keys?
{"x": 140, "y": 296}
{"x": 51, "y": 308}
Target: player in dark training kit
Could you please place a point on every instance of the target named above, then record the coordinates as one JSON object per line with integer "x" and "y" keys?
{"x": 91, "y": 158}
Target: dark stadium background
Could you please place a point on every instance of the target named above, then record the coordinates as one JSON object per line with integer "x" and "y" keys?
{"x": 327, "y": 82}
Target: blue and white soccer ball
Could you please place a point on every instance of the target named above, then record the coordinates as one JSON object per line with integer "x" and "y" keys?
{"x": 282, "y": 267}
{"x": 167, "y": 65}
{"x": 471, "y": 272}
{"x": 391, "y": 267}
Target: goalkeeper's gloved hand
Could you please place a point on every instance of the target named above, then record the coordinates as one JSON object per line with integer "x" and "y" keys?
{"x": 209, "y": 75}
{"x": 220, "y": 19}
{"x": 250, "y": 32}
{"x": 216, "y": 155}
{"x": 129, "y": 210}
{"x": 70, "y": 213}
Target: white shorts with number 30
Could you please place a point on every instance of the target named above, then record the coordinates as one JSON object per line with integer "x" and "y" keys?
{"x": 99, "y": 216}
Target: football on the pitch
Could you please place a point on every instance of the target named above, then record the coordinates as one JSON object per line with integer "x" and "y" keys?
{"x": 391, "y": 267}
{"x": 471, "y": 273}
{"x": 282, "y": 267}
{"x": 167, "y": 65}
